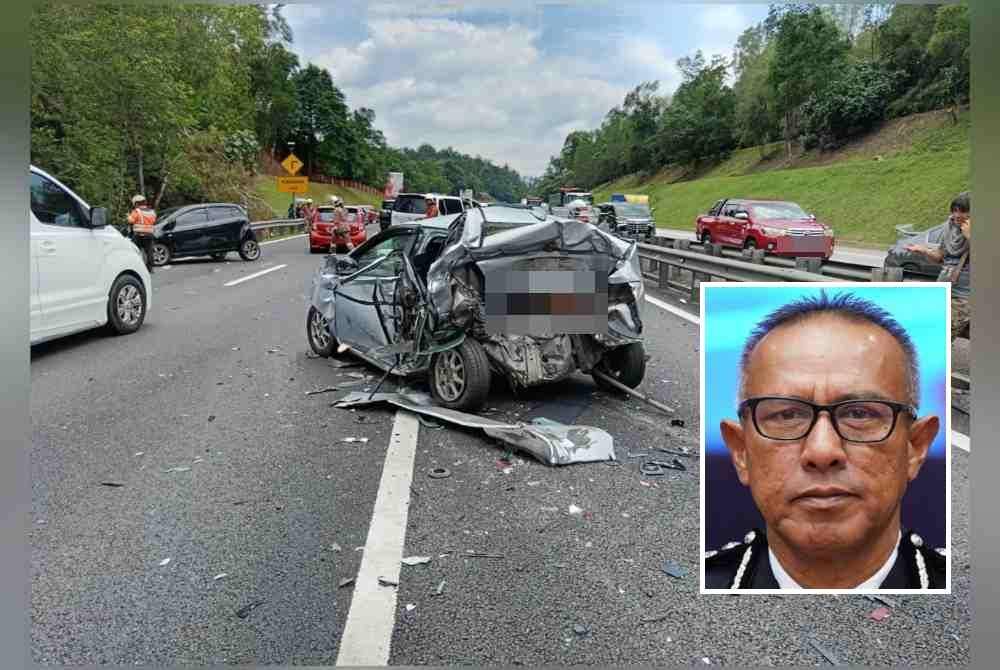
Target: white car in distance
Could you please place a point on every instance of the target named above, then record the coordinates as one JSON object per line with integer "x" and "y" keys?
{"x": 84, "y": 273}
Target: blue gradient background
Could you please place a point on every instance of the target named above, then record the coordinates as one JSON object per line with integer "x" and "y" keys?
{"x": 730, "y": 314}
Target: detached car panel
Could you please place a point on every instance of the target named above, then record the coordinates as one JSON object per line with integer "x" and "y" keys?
{"x": 453, "y": 298}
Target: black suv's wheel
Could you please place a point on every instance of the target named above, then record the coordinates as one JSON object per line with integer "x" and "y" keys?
{"x": 460, "y": 377}
{"x": 320, "y": 340}
{"x": 249, "y": 249}
{"x": 626, "y": 365}
{"x": 161, "y": 254}
{"x": 126, "y": 305}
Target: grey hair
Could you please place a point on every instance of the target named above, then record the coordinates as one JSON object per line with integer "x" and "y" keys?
{"x": 848, "y": 306}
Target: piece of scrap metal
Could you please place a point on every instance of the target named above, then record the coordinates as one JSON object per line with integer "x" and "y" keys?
{"x": 551, "y": 443}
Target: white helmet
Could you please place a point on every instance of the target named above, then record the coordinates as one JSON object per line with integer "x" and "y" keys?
{"x": 136, "y": 199}
{"x": 335, "y": 199}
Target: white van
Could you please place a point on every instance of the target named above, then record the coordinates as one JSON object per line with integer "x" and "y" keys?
{"x": 84, "y": 273}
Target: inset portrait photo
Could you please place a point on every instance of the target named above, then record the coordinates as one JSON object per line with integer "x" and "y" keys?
{"x": 825, "y": 437}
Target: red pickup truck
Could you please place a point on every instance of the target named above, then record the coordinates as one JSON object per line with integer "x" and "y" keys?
{"x": 781, "y": 228}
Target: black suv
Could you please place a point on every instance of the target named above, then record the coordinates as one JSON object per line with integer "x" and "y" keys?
{"x": 212, "y": 229}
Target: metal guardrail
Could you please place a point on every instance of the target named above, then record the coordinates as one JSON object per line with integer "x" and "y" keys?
{"x": 838, "y": 269}
{"x": 277, "y": 227}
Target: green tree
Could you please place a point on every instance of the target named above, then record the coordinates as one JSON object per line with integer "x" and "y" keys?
{"x": 809, "y": 50}
{"x": 949, "y": 47}
{"x": 757, "y": 120}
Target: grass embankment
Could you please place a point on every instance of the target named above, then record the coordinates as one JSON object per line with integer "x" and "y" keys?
{"x": 906, "y": 172}
{"x": 267, "y": 189}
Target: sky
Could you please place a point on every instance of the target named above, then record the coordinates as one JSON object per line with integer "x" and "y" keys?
{"x": 505, "y": 81}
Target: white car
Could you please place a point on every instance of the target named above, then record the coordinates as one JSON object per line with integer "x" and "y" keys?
{"x": 84, "y": 273}
{"x": 413, "y": 206}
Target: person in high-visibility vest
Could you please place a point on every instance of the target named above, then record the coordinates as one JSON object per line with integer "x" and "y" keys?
{"x": 141, "y": 220}
{"x": 341, "y": 234}
{"x": 432, "y": 208}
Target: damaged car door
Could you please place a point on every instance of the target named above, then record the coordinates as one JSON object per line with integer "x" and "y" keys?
{"x": 367, "y": 307}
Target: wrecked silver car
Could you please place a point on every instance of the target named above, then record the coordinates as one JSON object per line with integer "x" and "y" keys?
{"x": 498, "y": 290}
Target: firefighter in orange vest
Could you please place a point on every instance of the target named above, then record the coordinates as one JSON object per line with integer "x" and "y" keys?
{"x": 432, "y": 207}
{"x": 141, "y": 220}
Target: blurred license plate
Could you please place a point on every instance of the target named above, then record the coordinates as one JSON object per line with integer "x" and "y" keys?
{"x": 547, "y": 302}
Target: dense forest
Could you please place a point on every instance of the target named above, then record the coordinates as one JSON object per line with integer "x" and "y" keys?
{"x": 810, "y": 76}
{"x": 178, "y": 101}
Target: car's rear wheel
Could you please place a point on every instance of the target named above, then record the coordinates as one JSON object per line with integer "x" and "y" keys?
{"x": 320, "y": 340}
{"x": 626, "y": 365}
{"x": 161, "y": 254}
{"x": 249, "y": 250}
{"x": 126, "y": 305}
{"x": 460, "y": 377}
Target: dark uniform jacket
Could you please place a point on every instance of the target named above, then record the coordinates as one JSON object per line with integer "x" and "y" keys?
{"x": 745, "y": 565}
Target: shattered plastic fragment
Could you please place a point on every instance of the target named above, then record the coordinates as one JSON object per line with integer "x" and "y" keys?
{"x": 164, "y": 562}
{"x": 326, "y": 390}
{"x": 677, "y": 422}
{"x": 416, "y": 560}
{"x": 219, "y": 576}
{"x": 410, "y": 607}
{"x": 674, "y": 569}
{"x": 439, "y": 473}
{"x": 573, "y": 509}
{"x": 335, "y": 547}
{"x": 112, "y": 484}
{"x": 362, "y": 440}
{"x": 580, "y": 629}
{"x": 387, "y": 582}
{"x": 244, "y": 612}
{"x": 139, "y": 453}
{"x": 440, "y": 589}
{"x": 345, "y": 582}
{"x": 880, "y": 614}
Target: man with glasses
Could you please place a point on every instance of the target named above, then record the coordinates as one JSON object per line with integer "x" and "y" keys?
{"x": 828, "y": 437}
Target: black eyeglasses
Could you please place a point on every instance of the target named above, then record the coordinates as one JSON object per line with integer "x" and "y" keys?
{"x": 779, "y": 418}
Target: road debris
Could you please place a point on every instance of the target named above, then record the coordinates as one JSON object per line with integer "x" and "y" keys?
{"x": 275, "y": 351}
{"x": 328, "y": 389}
{"x": 221, "y": 575}
{"x": 139, "y": 453}
{"x": 504, "y": 466}
{"x": 416, "y": 560}
{"x": 345, "y": 582}
{"x": 344, "y": 364}
{"x": 673, "y": 569}
{"x": 335, "y": 548}
{"x": 632, "y": 392}
{"x": 112, "y": 484}
{"x": 641, "y": 454}
{"x": 551, "y": 444}
{"x": 880, "y": 614}
{"x": 211, "y": 418}
{"x": 357, "y": 375}
{"x": 683, "y": 451}
{"x": 352, "y": 440}
{"x": 410, "y": 607}
{"x": 831, "y": 659}
{"x": 427, "y": 423}
{"x": 885, "y": 600}
{"x": 651, "y": 470}
{"x": 387, "y": 582}
{"x": 581, "y": 630}
{"x": 679, "y": 423}
{"x": 655, "y": 619}
{"x": 439, "y": 591}
{"x": 164, "y": 562}
{"x": 439, "y": 473}
{"x": 178, "y": 469}
{"x": 478, "y": 554}
{"x": 244, "y": 611}
{"x": 573, "y": 509}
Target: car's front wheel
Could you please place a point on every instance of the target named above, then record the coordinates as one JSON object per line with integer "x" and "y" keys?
{"x": 750, "y": 243}
{"x": 460, "y": 377}
{"x": 626, "y": 365}
{"x": 706, "y": 237}
{"x": 161, "y": 254}
{"x": 317, "y": 330}
{"x": 126, "y": 305}
{"x": 249, "y": 249}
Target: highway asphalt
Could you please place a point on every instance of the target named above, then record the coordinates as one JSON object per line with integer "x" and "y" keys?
{"x": 194, "y": 440}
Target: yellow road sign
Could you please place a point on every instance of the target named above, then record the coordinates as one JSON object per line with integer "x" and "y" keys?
{"x": 293, "y": 184}
{"x": 292, "y": 164}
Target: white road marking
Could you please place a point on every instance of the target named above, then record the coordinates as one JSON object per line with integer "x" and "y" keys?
{"x": 255, "y": 275}
{"x": 370, "y": 620}
{"x": 285, "y": 239}
{"x": 674, "y": 310}
{"x": 961, "y": 441}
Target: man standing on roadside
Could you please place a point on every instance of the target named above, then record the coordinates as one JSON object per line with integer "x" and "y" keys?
{"x": 956, "y": 262}
{"x": 341, "y": 238}
{"x": 141, "y": 220}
